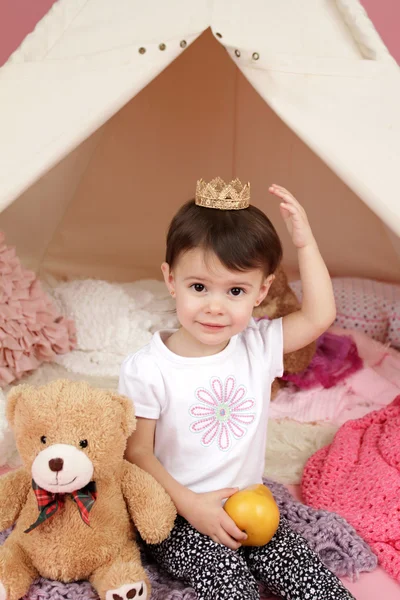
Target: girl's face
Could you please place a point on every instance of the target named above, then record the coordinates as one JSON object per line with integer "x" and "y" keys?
{"x": 213, "y": 303}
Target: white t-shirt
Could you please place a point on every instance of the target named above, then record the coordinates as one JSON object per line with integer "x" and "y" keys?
{"x": 211, "y": 411}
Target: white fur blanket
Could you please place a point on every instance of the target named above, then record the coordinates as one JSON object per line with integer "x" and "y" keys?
{"x": 112, "y": 320}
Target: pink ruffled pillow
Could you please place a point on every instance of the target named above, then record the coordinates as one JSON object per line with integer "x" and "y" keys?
{"x": 368, "y": 306}
{"x": 31, "y": 329}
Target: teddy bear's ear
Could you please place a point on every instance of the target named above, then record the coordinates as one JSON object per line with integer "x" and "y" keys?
{"x": 128, "y": 413}
{"x": 13, "y": 398}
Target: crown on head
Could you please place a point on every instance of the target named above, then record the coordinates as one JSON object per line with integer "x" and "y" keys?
{"x": 221, "y": 195}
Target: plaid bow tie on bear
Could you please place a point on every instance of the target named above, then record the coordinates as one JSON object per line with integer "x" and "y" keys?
{"x": 49, "y": 503}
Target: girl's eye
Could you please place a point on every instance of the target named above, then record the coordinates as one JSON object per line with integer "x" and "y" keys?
{"x": 198, "y": 287}
{"x": 237, "y": 291}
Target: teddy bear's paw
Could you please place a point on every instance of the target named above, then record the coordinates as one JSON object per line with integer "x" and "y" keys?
{"x": 3, "y": 593}
{"x": 128, "y": 591}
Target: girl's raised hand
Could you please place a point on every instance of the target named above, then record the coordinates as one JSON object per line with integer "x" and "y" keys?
{"x": 294, "y": 216}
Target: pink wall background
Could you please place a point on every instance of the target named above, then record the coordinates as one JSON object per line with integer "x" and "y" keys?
{"x": 19, "y": 17}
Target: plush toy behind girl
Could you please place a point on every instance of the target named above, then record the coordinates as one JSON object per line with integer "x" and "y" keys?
{"x": 202, "y": 392}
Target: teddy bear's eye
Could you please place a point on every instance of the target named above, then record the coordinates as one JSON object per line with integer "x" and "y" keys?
{"x": 43, "y": 439}
{"x": 83, "y": 443}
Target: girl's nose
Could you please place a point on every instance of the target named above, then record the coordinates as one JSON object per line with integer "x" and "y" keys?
{"x": 215, "y": 306}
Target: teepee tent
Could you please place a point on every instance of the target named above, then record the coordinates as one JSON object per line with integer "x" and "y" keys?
{"x": 110, "y": 112}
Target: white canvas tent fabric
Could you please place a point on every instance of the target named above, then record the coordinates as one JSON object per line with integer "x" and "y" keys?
{"x": 86, "y": 193}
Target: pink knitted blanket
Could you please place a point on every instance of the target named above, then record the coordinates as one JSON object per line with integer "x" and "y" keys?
{"x": 358, "y": 477}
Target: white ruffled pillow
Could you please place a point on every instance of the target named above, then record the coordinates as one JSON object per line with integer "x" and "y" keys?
{"x": 32, "y": 331}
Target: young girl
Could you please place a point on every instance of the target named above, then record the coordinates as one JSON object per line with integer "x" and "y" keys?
{"x": 202, "y": 392}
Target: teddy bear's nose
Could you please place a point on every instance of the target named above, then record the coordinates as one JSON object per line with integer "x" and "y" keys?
{"x": 56, "y": 464}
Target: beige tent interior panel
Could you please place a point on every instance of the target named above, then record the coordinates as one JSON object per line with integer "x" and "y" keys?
{"x": 31, "y": 221}
{"x": 102, "y": 211}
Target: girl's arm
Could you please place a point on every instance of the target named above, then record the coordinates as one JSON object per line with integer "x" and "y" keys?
{"x": 202, "y": 511}
{"x": 318, "y": 309}
{"x": 139, "y": 451}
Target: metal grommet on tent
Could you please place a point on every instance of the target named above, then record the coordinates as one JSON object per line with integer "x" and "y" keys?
{"x": 237, "y": 53}
{"x": 183, "y": 44}
{"x": 219, "y": 35}
{"x": 162, "y": 46}
{"x": 255, "y": 56}
{"x": 142, "y": 50}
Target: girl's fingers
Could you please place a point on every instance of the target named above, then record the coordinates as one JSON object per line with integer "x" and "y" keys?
{"x": 290, "y": 213}
{"x": 280, "y": 189}
{"x": 294, "y": 210}
{"x": 226, "y": 540}
{"x": 226, "y": 492}
{"x": 285, "y": 214}
{"x": 287, "y": 197}
{"x": 284, "y": 194}
{"x": 289, "y": 207}
{"x": 229, "y": 525}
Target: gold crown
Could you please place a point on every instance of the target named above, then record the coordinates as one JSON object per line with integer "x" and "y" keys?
{"x": 221, "y": 195}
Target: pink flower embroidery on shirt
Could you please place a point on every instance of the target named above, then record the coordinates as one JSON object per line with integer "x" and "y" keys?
{"x": 223, "y": 413}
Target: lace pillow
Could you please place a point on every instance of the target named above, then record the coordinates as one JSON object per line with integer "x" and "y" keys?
{"x": 369, "y": 306}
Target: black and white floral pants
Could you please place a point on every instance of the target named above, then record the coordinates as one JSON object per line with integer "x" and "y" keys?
{"x": 286, "y": 566}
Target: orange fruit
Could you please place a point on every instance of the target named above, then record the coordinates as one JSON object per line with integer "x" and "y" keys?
{"x": 255, "y": 512}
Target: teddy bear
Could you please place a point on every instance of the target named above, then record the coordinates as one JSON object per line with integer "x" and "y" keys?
{"x": 281, "y": 301}
{"x": 76, "y": 503}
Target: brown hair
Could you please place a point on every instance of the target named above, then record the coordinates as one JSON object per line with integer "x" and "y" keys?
{"x": 241, "y": 239}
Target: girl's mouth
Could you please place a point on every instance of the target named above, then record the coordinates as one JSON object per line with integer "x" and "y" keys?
{"x": 212, "y": 326}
